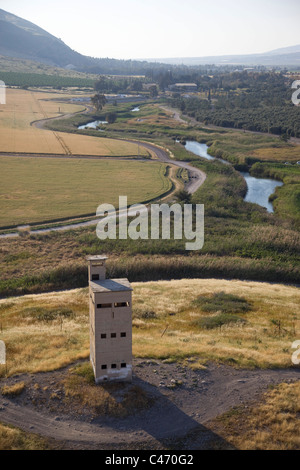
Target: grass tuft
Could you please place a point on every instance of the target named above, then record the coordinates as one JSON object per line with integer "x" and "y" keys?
{"x": 113, "y": 399}
{"x": 217, "y": 321}
{"x": 12, "y": 391}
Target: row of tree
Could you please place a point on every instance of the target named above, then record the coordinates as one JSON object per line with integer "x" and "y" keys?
{"x": 253, "y": 101}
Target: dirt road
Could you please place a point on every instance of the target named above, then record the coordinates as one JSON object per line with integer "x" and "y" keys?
{"x": 184, "y": 400}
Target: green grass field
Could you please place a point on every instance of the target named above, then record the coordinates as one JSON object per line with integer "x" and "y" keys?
{"x": 35, "y": 189}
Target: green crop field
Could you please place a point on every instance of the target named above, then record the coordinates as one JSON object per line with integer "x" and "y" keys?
{"x": 36, "y": 189}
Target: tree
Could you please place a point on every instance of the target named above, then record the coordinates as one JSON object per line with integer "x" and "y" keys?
{"x": 98, "y": 101}
{"x": 137, "y": 85}
{"x": 111, "y": 117}
{"x": 184, "y": 197}
{"x": 153, "y": 91}
{"x": 101, "y": 85}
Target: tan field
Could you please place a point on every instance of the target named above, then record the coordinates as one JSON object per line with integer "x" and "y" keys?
{"x": 286, "y": 154}
{"x": 48, "y": 331}
{"x": 17, "y": 135}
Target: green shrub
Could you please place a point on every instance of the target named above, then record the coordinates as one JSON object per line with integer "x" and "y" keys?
{"x": 145, "y": 314}
{"x": 217, "y": 321}
{"x": 85, "y": 370}
{"x": 224, "y": 303}
{"x": 43, "y": 314}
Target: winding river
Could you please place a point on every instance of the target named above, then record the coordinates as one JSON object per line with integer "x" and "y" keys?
{"x": 92, "y": 125}
{"x": 259, "y": 189}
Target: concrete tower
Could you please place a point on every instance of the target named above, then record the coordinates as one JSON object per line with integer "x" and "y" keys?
{"x": 110, "y": 302}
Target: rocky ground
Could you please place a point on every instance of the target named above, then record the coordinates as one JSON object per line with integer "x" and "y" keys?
{"x": 180, "y": 402}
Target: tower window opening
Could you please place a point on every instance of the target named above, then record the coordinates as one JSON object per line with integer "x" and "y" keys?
{"x": 103, "y": 305}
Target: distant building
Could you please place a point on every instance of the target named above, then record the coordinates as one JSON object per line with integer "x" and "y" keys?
{"x": 147, "y": 86}
{"x": 110, "y": 305}
{"x": 183, "y": 87}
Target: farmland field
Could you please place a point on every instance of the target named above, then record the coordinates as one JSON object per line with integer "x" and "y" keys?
{"x": 37, "y": 189}
{"x": 18, "y": 136}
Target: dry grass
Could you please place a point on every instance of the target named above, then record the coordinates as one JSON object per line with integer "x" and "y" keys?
{"x": 254, "y": 342}
{"x": 155, "y": 116}
{"x": 115, "y": 399}
{"x": 35, "y": 345}
{"x": 13, "y": 390}
{"x": 273, "y": 424}
{"x": 263, "y": 339}
{"x": 17, "y": 135}
{"x": 12, "y": 438}
{"x": 289, "y": 153}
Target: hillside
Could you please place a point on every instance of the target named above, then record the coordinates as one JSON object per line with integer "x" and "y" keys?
{"x": 22, "y": 39}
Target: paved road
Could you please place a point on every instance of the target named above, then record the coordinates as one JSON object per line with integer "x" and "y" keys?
{"x": 196, "y": 179}
{"x": 196, "y": 176}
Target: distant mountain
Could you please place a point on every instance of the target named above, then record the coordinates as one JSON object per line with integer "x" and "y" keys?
{"x": 286, "y": 56}
{"x": 22, "y": 39}
{"x": 285, "y": 50}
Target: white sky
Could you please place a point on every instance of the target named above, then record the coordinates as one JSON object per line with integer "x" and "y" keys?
{"x": 129, "y": 29}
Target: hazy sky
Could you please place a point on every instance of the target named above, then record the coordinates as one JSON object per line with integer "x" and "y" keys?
{"x": 128, "y": 29}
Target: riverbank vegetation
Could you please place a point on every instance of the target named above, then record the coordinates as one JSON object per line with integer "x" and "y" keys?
{"x": 286, "y": 199}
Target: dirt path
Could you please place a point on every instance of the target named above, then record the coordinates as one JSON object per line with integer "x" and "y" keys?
{"x": 175, "y": 114}
{"x": 184, "y": 400}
